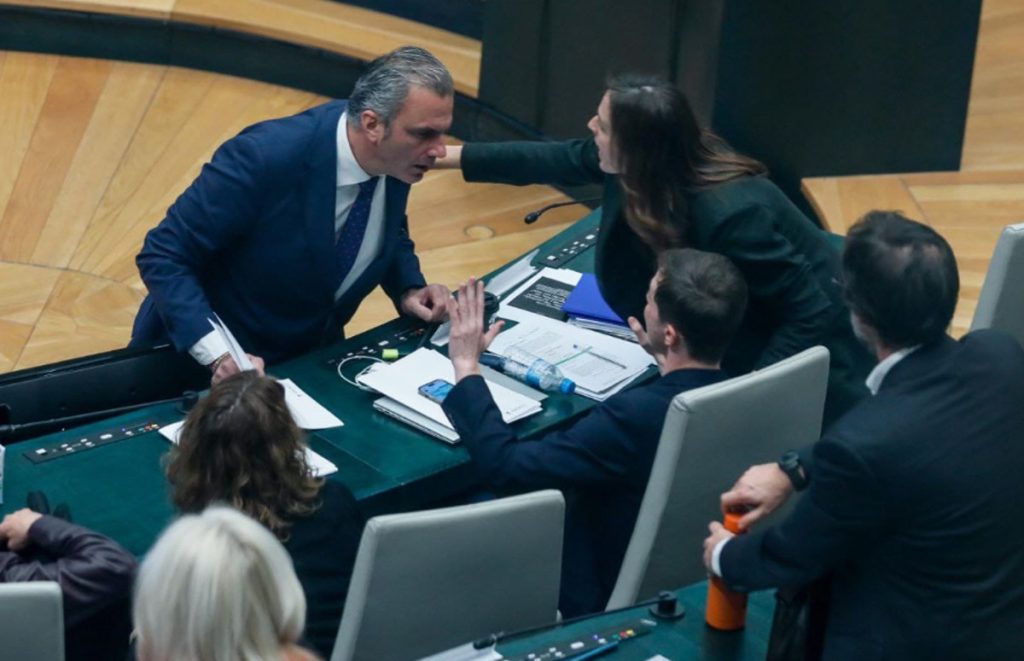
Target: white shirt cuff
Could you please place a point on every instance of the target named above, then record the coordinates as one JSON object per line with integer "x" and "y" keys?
{"x": 716, "y": 553}
{"x": 209, "y": 348}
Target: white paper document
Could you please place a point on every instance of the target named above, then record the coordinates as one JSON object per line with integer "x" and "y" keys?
{"x": 599, "y": 364}
{"x": 401, "y": 381}
{"x": 508, "y": 311}
{"x": 234, "y": 349}
{"x": 308, "y": 413}
{"x": 319, "y": 464}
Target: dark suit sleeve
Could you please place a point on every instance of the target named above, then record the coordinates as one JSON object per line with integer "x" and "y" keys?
{"x": 839, "y": 517}
{"x": 778, "y": 277}
{"x": 219, "y": 208}
{"x": 404, "y": 272}
{"x": 594, "y": 450}
{"x": 570, "y": 163}
{"x": 93, "y": 571}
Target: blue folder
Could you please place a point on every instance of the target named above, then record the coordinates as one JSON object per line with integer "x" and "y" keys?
{"x": 586, "y": 301}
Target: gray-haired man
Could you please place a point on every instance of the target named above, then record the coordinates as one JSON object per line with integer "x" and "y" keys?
{"x": 295, "y": 220}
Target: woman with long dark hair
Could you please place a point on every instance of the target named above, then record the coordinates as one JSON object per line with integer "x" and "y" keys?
{"x": 240, "y": 446}
{"x": 669, "y": 183}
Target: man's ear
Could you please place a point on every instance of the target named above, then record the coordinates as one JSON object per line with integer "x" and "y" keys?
{"x": 373, "y": 126}
{"x": 673, "y": 339}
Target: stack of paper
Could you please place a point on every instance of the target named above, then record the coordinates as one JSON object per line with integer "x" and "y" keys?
{"x": 587, "y": 309}
{"x": 401, "y": 381}
{"x": 599, "y": 364}
{"x": 319, "y": 464}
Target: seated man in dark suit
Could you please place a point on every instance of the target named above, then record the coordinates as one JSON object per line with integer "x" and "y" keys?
{"x": 296, "y": 220}
{"x": 695, "y": 303}
{"x": 914, "y": 496}
{"x": 95, "y": 576}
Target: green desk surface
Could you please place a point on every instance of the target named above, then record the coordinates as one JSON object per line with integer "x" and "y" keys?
{"x": 680, "y": 640}
{"x": 119, "y": 489}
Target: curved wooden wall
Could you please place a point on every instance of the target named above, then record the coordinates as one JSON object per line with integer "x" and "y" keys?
{"x": 358, "y": 33}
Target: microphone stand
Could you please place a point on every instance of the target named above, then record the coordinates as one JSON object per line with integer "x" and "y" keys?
{"x": 532, "y": 217}
{"x": 10, "y": 431}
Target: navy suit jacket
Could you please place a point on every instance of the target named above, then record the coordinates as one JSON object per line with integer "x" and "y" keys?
{"x": 252, "y": 239}
{"x": 601, "y": 463}
{"x": 915, "y": 509}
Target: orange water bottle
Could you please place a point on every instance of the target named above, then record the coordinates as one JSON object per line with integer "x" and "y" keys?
{"x": 726, "y": 610}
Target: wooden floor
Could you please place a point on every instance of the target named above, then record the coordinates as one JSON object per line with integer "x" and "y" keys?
{"x": 970, "y": 207}
{"x": 95, "y": 151}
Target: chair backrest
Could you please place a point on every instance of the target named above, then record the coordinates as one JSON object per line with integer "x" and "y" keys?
{"x": 711, "y": 435}
{"x": 1001, "y": 303}
{"x": 31, "y": 621}
{"x": 427, "y": 581}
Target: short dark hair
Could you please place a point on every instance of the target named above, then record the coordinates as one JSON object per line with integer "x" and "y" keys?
{"x": 703, "y": 295}
{"x": 900, "y": 278}
{"x": 385, "y": 84}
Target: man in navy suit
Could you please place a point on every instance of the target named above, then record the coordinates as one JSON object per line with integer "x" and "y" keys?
{"x": 295, "y": 220}
{"x": 695, "y": 303}
{"x": 913, "y": 501}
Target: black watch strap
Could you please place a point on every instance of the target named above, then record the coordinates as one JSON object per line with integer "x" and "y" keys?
{"x": 790, "y": 464}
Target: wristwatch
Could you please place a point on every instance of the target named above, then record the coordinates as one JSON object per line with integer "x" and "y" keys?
{"x": 790, "y": 464}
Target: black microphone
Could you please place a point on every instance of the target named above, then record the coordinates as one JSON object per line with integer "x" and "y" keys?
{"x": 11, "y": 431}
{"x": 532, "y": 217}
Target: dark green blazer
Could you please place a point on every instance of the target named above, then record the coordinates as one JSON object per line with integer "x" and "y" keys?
{"x": 791, "y": 268}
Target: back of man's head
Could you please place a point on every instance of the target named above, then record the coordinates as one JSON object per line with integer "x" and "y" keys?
{"x": 900, "y": 278}
{"x": 385, "y": 84}
{"x": 703, "y": 295}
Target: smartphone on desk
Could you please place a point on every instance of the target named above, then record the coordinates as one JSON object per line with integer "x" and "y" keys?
{"x": 435, "y": 390}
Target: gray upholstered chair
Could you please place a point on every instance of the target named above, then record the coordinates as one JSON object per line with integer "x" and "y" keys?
{"x": 31, "y": 621}
{"x": 711, "y": 435}
{"x": 427, "y": 581}
{"x": 1001, "y": 303}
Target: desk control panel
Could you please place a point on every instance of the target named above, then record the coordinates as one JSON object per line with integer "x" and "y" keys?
{"x": 571, "y": 247}
{"x": 405, "y": 337}
{"x": 89, "y": 442}
{"x": 587, "y": 643}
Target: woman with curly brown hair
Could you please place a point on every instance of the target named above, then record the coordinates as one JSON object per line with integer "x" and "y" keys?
{"x": 241, "y": 446}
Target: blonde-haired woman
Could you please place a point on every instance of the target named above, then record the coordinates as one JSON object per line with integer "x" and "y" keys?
{"x": 218, "y": 586}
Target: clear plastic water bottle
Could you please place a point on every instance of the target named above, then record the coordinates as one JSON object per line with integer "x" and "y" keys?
{"x": 536, "y": 372}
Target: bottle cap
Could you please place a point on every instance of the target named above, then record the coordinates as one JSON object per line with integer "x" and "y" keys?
{"x": 732, "y": 522}
{"x": 567, "y": 386}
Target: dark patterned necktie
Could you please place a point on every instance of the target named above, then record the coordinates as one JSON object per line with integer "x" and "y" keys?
{"x": 352, "y": 232}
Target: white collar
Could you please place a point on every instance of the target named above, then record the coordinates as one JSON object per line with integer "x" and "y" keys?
{"x": 874, "y": 380}
{"x": 349, "y": 171}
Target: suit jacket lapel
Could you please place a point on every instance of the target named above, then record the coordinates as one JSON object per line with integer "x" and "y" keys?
{"x": 321, "y": 190}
